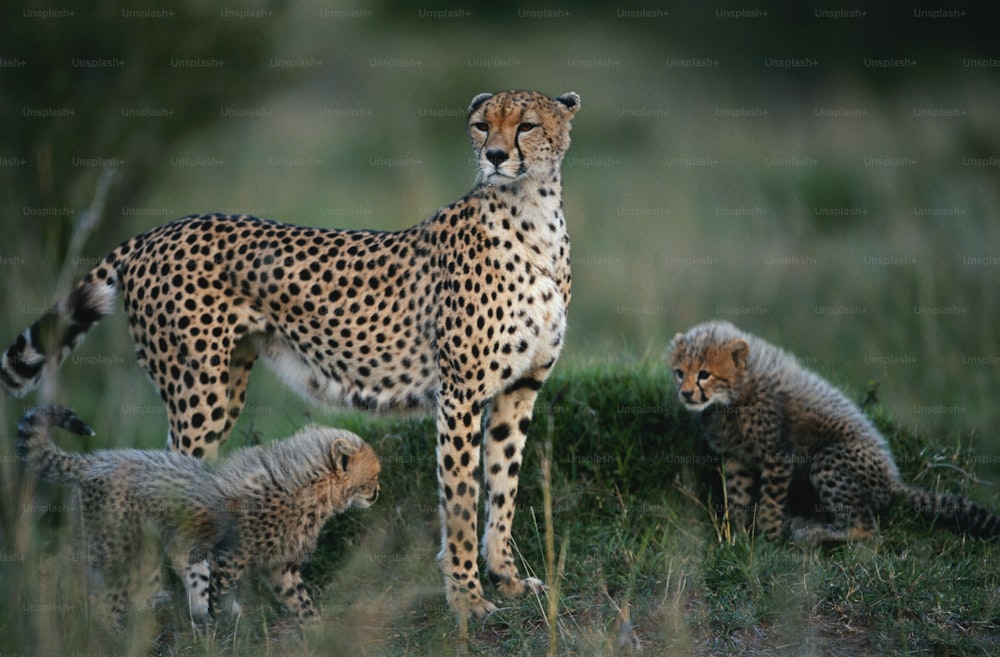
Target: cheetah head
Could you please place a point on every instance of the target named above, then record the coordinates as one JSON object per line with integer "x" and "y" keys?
{"x": 708, "y": 373}
{"x": 517, "y": 134}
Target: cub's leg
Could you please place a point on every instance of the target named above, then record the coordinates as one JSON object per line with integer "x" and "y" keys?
{"x": 196, "y": 576}
{"x": 227, "y": 567}
{"x": 111, "y": 534}
{"x": 287, "y": 585}
{"x": 843, "y": 495}
{"x": 775, "y": 479}
{"x": 741, "y": 490}
{"x": 509, "y": 420}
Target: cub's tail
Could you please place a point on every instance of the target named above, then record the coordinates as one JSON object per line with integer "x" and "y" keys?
{"x": 953, "y": 512}
{"x": 40, "y": 453}
{"x": 60, "y": 330}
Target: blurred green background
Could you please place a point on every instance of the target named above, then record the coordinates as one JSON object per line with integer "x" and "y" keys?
{"x": 825, "y": 178}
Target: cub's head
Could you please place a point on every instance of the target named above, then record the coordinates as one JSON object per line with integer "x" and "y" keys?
{"x": 357, "y": 468}
{"x": 344, "y": 470}
{"x": 520, "y": 133}
{"x": 707, "y": 369}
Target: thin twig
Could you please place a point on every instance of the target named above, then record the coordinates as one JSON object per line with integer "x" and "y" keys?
{"x": 85, "y": 223}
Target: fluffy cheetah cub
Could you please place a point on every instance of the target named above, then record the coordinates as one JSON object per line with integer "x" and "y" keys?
{"x": 773, "y": 421}
{"x": 262, "y": 507}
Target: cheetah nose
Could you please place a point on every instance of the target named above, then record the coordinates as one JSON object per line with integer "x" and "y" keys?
{"x": 687, "y": 394}
{"x": 496, "y": 156}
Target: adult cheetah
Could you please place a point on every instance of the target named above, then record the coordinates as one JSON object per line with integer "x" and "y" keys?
{"x": 464, "y": 309}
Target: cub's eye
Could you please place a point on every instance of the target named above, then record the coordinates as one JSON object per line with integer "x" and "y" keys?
{"x": 526, "y": 127}
{"x": 704, "y": 374}
{"x": 481, "y": 126}
{"x": 679, "y": 375}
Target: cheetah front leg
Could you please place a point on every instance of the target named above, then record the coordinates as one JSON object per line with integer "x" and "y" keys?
{"x": 776, "y": 477}
{"x": 510, "y": 418}
{"x": 741, "y": 484}
{"x": 458, "y": 449}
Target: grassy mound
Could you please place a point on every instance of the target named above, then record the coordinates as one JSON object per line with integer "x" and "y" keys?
{"x": 640, "y": 565}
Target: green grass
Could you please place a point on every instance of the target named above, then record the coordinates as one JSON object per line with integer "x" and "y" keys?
{"x": 644, "y": 564}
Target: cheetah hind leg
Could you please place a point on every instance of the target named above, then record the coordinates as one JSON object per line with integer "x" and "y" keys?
{"x": 848, "y": 506}
{"x": 196, "y": 576}
{"x": 852, "y": 520}
{"x": 509, "y": 420}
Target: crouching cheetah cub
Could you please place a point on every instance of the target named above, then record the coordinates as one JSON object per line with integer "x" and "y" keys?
{"x": 263, "y": 507}
{"x": 774, "y": 422}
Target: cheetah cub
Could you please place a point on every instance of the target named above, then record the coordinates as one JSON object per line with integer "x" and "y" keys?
{"x": 775, "y": 422}
{"x": 263, "y": 507}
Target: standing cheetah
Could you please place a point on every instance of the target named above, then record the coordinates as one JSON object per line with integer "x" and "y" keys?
{"x": 774, "y": 422}
{"x": 262, "y": 507}
{"x": 464, "y": 309}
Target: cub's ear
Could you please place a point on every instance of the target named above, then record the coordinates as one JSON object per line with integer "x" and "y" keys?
{"x": 571, "y": 101}
{"x": 477, "y": 101}
{"x": 740, "y": 351}
{"x": 342, "y": 449}
{"x": 675, "y": 344}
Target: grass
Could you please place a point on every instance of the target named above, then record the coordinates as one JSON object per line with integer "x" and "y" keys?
{"x": 643, "y": 565}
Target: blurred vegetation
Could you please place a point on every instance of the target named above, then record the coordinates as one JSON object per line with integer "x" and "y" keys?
{"x": 90, "y": 88}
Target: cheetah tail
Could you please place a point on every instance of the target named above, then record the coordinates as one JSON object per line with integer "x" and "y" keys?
{"x": 953, "y": 512}
{"x": 45, "y": 457}
{"x": 57, "y": 332}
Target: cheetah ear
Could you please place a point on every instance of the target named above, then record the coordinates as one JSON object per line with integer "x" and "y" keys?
{"x": 674, "y": 345}
{"x": 342, "y": 449}
{"x": 477, "y": 101}
{"x": 571, "y": 101}
{"x": 740, "y": 351}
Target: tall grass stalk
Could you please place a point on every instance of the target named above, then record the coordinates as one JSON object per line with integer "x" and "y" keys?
{"x": 552, "y": 612}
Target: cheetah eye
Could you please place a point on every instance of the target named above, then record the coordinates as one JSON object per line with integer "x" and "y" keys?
{"x": 704, "y": 374}
{"x": 526, "y": 127}
{"x": 679, "y": 375}
{"x": 481, "y": 126}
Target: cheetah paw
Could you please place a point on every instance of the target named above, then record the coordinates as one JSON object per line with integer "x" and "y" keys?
{"x": 465, "y": 603}
{"x": 513, "y": 586}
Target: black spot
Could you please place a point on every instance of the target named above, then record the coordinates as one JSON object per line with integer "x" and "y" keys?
{"x": 500, "y": 432}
